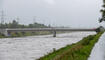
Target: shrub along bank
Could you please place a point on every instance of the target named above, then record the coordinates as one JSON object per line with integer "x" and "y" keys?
{"x": 77, "y": 51}
{"x": 2, "y": 36}
{"x": 22, "y": 34}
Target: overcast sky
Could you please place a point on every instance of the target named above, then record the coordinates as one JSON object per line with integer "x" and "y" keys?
{"x": 73, "y": 13}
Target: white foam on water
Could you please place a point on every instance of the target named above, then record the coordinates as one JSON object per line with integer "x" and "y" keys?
{"x": 98, "y": 52}
{"x": 33, "y": 47}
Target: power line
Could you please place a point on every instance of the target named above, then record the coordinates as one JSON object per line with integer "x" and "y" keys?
{"x": 2, "y": 19}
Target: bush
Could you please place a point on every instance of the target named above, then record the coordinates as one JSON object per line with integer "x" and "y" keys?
{"x": 14, "y": 34}
{"x": 2, "y": 36}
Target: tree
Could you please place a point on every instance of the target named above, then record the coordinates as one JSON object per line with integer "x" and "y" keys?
{"x": 14, "y": 24}
{"x": 103, "y": 12}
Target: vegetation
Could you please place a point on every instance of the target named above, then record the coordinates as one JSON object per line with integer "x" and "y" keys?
{"x": 2, "y": 36}
{"x": 21, "y": 34}
{"x": 77, "y": 51}
{"x": 15, "y": 24}
{"x": 103, "y": 12}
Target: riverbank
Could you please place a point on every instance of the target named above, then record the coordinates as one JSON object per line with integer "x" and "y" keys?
{"x": 21, "y": 34}
{"x": 77, "y": 51}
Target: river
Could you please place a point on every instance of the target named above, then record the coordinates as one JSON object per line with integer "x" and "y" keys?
{"x": 33, "y": 47}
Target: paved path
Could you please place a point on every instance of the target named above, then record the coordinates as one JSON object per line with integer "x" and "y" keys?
{"x": 98, "y": 52}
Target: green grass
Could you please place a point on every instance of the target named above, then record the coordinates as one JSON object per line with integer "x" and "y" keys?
{"x": 77, "y": 51}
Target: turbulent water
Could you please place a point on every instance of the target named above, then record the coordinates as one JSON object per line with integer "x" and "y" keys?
{"x": 33, "y": 47}
{"x": 98, "y": 52}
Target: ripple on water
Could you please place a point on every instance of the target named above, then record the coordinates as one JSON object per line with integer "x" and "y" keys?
{"x": 33, "y": 47}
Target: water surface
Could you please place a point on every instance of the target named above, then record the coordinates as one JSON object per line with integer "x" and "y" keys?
{"x": 33, "y": 47}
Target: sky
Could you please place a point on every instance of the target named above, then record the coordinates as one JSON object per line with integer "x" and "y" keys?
{"x": 70, "y": 13}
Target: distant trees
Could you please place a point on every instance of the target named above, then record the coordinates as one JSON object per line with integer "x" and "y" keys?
{"x": 15, "y": 24}
{"x": 103, "y": 12}
{"x": 36, "y": 25}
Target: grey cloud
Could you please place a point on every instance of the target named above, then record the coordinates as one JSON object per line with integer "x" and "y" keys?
{"x": 75, "y": 13}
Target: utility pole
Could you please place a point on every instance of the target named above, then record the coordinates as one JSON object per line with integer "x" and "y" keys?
{"x": 2, "y": 19}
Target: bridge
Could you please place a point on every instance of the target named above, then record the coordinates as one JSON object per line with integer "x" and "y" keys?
{"x": 6, "y": 31}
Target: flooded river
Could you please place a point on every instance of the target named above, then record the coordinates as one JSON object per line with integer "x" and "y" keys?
{"x": 33, "y": 47}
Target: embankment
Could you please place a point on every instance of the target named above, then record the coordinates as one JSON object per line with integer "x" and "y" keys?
{"x": 77, "y": 51}
{"x": 22, "y": 34}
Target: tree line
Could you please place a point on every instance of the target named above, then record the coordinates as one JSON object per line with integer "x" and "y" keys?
{"x": 15, "y": 24}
